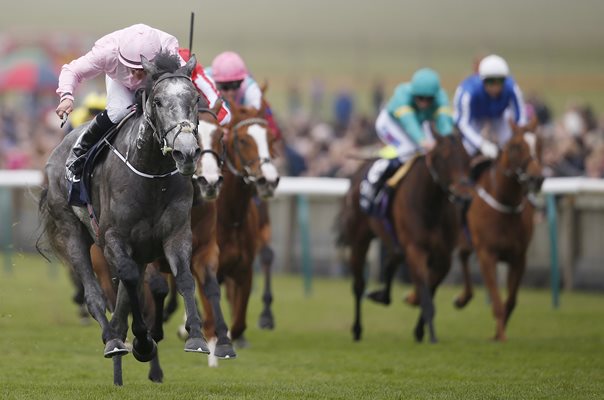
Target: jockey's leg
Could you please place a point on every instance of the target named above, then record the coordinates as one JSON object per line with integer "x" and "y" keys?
{"x": 93, "y": 133}
{"x": 119, "y": 98}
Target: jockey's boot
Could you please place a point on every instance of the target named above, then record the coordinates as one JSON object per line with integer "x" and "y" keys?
{"x": 93, "y": 133}
{"x": 372, "y": 187}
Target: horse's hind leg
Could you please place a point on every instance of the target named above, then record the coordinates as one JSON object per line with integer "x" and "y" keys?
{"x": 358, "y": 254}
{"x": 266, "y": 320}
{"x": 172, "y": 299}
{"x": 418, "y": 263}
{"x": 466, "y": 295}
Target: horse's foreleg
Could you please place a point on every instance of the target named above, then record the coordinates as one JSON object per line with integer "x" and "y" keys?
{"x": 417, "y": 259}
{"x": 242, "y": 296}
{"x": 118, "y": 253}
{"x": 266, "y": 320}
{"x": 178, "y": 254}
{"x": 488, "y": 268}
{"x": 158, "y": 287}
{"x": 466, "y": 295}
{"x": 223, "y": 347}
{"x": 383, "y": 296}
{"x": 515, "y": 273}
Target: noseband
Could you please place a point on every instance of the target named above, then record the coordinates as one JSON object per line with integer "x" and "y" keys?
{"x": 246, "y": 174}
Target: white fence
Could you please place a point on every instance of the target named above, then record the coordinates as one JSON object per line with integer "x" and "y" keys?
{"x": 304, "y": 189}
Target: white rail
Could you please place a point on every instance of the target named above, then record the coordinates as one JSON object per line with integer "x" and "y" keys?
{"x": 310, "y": 186}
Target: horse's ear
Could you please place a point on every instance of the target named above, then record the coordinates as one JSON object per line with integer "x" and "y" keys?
{"x": 148, "y": 66}
{"x": 188, "y": 68}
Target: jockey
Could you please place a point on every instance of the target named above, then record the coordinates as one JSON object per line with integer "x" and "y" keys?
{"x": 237, "y": 86}
{"x": 404, "y": 124}
{"x": 485, "y": 101}
{"x": 118, "y": 56}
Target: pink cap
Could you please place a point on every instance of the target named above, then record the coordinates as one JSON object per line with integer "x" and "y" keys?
{"x": 136, "y": 41}
{"x": 228, "y": 67}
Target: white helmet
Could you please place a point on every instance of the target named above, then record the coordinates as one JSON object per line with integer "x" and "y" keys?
{"x": 493, "y": 66}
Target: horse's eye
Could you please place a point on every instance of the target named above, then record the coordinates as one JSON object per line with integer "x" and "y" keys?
{"x": 157, "y": 102}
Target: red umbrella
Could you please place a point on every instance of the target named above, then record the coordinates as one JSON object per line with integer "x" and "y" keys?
{"x": 28, "y": 75}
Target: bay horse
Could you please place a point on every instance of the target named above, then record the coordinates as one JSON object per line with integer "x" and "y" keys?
{"x": 500, "y": 220}
{"x": 142, "y": 201}
{"x": 423, "y": 223}
{"x": 204, "y": 262}
{"x": 249, "y": 172}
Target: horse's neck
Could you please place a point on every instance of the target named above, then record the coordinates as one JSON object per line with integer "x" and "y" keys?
{"x": 145, "y": 155}
{"x": 428, "y": 192}
{"x": 505, "y": 189}
{"x": 235, "y": 200}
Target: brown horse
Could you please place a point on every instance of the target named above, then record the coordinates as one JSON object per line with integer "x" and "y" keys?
{"x": 424, "y": 224}
{"x": 204, "y": 261}
{"x": 250, "y": 171}
{"x": 500, "y": 220}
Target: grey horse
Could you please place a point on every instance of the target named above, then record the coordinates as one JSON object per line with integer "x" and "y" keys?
{"x": 142, "y": 199}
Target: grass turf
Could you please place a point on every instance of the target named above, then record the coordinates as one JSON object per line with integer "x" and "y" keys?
{"x": 550, "y": 354}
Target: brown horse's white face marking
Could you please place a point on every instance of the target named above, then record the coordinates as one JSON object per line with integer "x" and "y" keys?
{"x": 209, "y": 173}
{"x": 265, "y": 174}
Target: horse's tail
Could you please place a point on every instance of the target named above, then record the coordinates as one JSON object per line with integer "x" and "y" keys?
{"x": 48, "y": 227}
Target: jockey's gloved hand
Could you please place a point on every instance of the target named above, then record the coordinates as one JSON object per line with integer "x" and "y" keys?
{"x": 489, "y": 149}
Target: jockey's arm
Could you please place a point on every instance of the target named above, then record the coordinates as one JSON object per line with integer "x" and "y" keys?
{"x": 518, "y": 106}
{"x": 462, "y": 118}
{"x": 405, "y": 115}
{"x": 443, "y": 118}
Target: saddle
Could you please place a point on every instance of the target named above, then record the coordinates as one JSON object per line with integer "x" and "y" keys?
{"x": 78, "y": 193}
{"x": 381, "y": 203}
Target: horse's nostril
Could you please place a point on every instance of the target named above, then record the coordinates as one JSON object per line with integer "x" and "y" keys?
{"x": 202, "y": 180}
{"x": 197, "y": 154}
{"x": 277, "y": 181}
{"x": 261, "y": 180}
{"x": 177, "y": 155}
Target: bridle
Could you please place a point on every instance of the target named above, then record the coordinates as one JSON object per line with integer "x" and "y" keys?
{"x": 246, "y": 174}
{"x": 184, "y": 126}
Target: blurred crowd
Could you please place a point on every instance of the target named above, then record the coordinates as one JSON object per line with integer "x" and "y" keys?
{"x": 315, "y": 142}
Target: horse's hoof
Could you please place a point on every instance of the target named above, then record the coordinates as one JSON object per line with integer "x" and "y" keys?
{"x": 115, "y": 347}
{"x": 225, "y": 351}
{"x": 380, "y": 296}
{"x": 144, "y": 353}
{"x": 356, "y": 333}
{"x": 197, "y": 345}
{"x": 156, "y": 376}
{"x": 266, "y": 321}
{"x": 462, "y": 301}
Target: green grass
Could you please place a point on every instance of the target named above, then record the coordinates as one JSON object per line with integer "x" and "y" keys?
{"x": 550, "y": 354}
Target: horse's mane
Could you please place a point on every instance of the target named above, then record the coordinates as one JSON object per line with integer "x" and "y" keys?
{"x": 165, "y": 62}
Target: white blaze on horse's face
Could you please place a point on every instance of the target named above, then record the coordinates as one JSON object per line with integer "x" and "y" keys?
{"x": 208, "y": 167}
{"x": 531, "y": 140}
{"x": 260, "y": 136}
